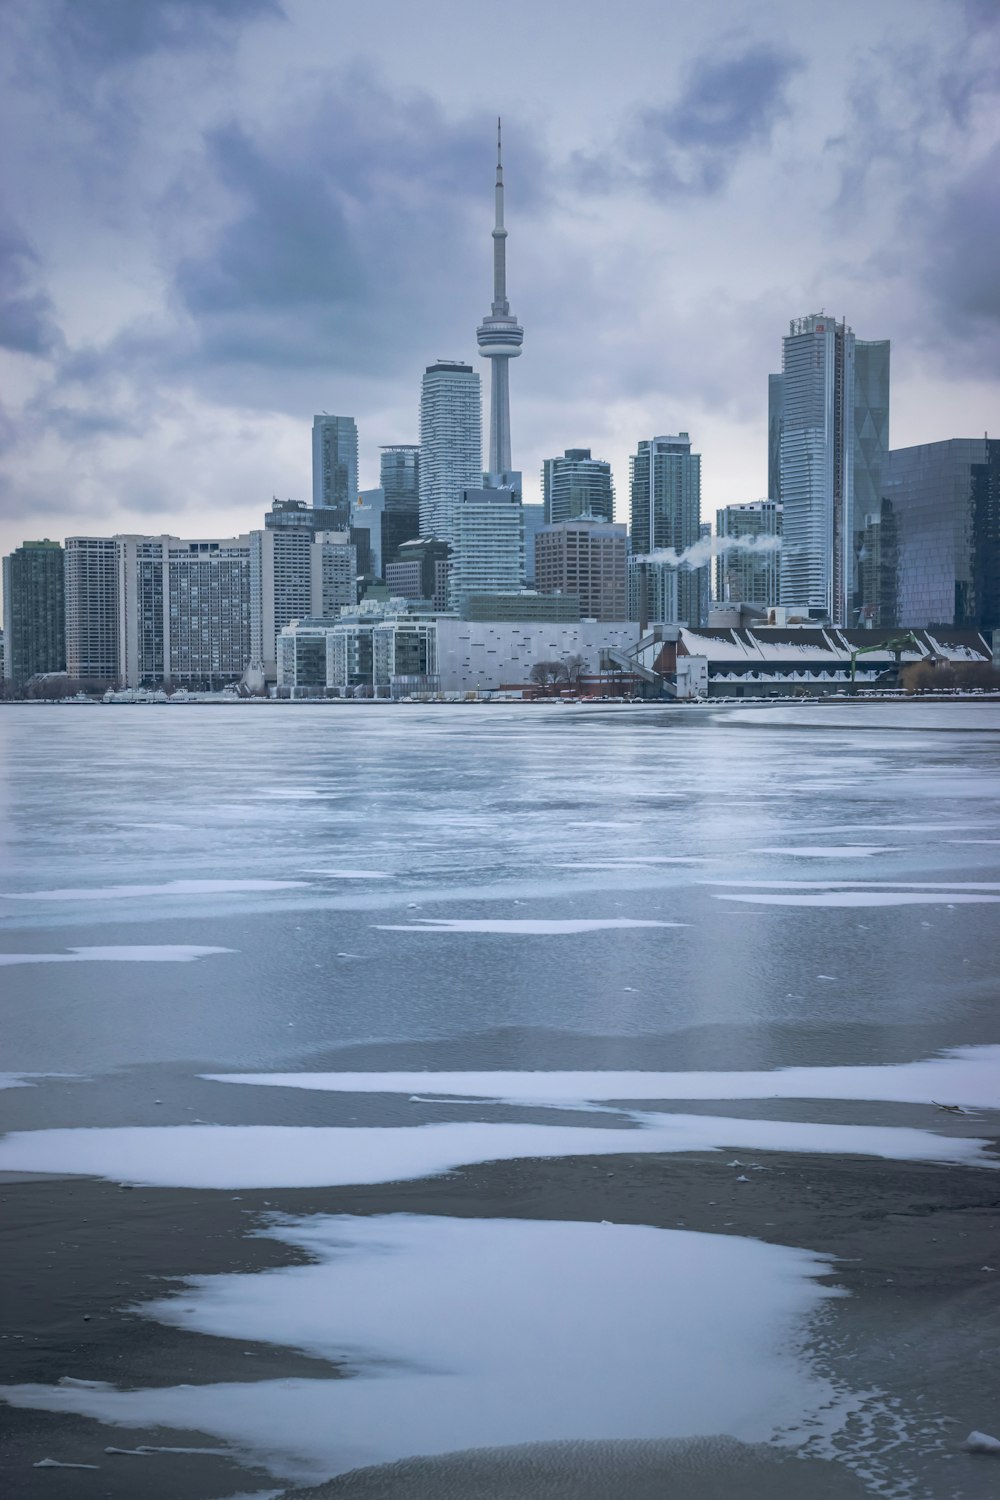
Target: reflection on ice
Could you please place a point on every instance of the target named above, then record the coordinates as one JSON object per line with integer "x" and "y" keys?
{"x": 864, "y": 898}
{"x": 471, "y": 1333}
{"x": 236, "y": 1156}
{"x": 965, "y": 1075}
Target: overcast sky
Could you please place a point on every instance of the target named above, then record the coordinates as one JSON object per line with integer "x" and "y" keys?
{"x": 223, "y": 216}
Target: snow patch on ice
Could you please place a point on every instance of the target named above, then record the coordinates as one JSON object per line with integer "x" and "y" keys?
{"x": 969, "y": 1076}
{"x": 244, "y": 1156}
{"x": 523, "y": 926}
{"x": 162, "y": 953}
{"x": 351, "y": 874}
{"x": 863, "y": 898}
{"x": 831, "y": 851}
{"x": 488, "y": 1333}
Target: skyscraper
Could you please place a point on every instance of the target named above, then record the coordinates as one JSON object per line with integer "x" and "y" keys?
{"x": 749, "y": 575}
{"x": 335, "y": 462}
{"x": 665, "y": 485}
{"x": 91, "y": 579}
{"x": 399, "y": 479}
{"x": 451, "y": 443}
{"x": 499, "y": 336}
{"x": 829, "y": 415}
{"x": 577, "y": 485}
{"x": 33, "y": 611}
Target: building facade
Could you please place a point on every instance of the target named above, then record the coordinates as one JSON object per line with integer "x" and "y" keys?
{"x": 91, "y": 602}
{"x": 399, "y": 480}
{"x": 367, "y": 519}
{"x": 334, "y": 463}
{"x": 588, "y": 558}
{"x": 333, "y": 586}
{"x": 184, "y": 611}
{"x": 665, "y": 485}
{"x": 487, "y": 543}
{"x": 451, "y": 443}
{"x": 749, "y": 573}
{"x": 34, "y": 616}
{"x": 577, "y": 485}
{"x": 534, "y": 520}
{"x": 420, "y": 571}
{"x": 944, "y": 503}
{"x": 653, "y": 587}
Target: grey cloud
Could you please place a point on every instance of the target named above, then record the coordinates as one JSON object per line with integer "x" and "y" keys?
{"x": 27, "y": 320}
{"x": 962, "y": 247}
{"x": 727, "y": 107}
{"x": 108, "y": 33}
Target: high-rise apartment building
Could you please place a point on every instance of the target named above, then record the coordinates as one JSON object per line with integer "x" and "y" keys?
{"x": 399, "y": 480}
{"x": 281, "y": 589}
{"x": 577, "y": 485}
{"x": 665, "y": 485}
{"x": 588, "y": 558}
{"x": 34, "y": 620}
{"x": 940, "y": 523}
{"x": 487, "y": 543}
{"x": 91, "y": 601}
{"x": 451, "y": 443}
{"x": 534, "y": 520}
{"x": 749, "y": 574}
{"x": 184, "y": 610}
{"x": 830, "y": 411}
{"x": 334, "y": 462}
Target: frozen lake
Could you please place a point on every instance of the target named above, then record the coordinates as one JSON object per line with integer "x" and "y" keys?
{"x": 532, "y": 931}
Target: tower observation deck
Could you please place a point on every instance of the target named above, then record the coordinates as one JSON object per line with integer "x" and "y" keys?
{"x": 499, "y": 336}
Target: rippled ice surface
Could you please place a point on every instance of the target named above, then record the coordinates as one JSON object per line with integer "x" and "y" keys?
{"x": 286, "y": 896}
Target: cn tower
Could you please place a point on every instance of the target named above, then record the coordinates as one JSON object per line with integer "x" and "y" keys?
{"x": 499, "y": 336}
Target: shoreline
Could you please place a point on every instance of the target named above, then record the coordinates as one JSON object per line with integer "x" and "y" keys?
{"x": 910, "y": 1243}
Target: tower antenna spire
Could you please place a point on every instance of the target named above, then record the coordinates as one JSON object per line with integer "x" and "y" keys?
{"x": 499, "y": 335}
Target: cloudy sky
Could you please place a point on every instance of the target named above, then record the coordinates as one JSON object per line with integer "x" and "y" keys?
{"x": 222, "y": 216}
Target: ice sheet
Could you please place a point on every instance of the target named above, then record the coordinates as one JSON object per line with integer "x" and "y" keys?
{"x": 161, "y": 953}
{"x": 964, "y": 1075}
{"x": 167, "y": 888}
{"x": 520, "y": 926}
{"x": 236, "y": 1156}
{"x": 471, "y": 1333}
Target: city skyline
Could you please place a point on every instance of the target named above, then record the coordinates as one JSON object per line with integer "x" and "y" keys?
{"x": 170, "y": 337}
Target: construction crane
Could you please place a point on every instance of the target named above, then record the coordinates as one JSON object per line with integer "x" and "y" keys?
{"x": 896, "y": 646}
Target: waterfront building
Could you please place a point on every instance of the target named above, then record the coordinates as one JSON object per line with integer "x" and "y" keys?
{"x": 391, "y": 651}
{"x": 420, "y": 571}
{"x": 775, "y": 425}
{"x": 184, "y": 611}
{"x": 942, "y": 502}
{"x": 487, "y": 540}
{"x": 34, "y": 618}
{"x": 665, "y": 495}
{"x": 91, "y": 604}
{"x": 588, "y": 558}
{"x": 281, "y": 588}
{"x": 745, "y": 575}
{"x": 523, "y": 606}
{"x": 831, "y": 408}
{"x": 334, "y": 463}
{"x": 534, "y": 520}
{"x": 878, "y": 568}
{"x": 499, "y": 337}
{"x": 653, "y": 587}
{"x": 399, "y": 480}
{"x": 577, "y": 485}
{"x": 333, "y": 584}
{"x": 451, "y": 443}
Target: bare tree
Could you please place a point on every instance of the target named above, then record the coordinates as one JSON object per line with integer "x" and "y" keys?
{"x": 575, "y": 668}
